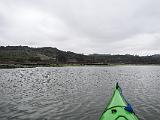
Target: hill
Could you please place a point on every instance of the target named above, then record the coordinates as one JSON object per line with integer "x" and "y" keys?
{"x": 24, "y": 55}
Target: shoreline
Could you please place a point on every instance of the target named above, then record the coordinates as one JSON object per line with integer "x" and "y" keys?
{"x": 12, "y": 66}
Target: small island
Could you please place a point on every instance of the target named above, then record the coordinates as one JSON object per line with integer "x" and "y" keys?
{"x": 24, "y": 56}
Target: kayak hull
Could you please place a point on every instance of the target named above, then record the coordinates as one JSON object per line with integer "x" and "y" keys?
{"x": 116, "y": 109}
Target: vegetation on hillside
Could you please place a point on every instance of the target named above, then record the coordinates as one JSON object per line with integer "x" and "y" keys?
{"x": 24, "y": 55}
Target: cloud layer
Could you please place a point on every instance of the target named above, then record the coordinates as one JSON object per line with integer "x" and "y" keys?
{"x": 83, "y": 26}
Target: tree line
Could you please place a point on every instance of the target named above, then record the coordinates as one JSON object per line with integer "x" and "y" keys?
{"x": 49, "y": 55}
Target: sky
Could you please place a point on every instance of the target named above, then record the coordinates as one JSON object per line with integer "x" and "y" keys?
{"x": 83, "y": 26}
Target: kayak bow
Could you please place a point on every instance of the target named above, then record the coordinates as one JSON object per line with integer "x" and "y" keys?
{"x": 118, "y": 108}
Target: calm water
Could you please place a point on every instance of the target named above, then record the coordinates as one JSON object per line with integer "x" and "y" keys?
{"x": 76, "y": 93}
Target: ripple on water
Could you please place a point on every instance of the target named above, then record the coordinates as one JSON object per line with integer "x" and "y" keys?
{"x": 80, "y": 93}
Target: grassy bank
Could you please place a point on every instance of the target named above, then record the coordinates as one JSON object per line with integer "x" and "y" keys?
{"x": 8, "y": 66}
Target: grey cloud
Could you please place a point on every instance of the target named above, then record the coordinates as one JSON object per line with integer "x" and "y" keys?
{"x": 84, "y": 26}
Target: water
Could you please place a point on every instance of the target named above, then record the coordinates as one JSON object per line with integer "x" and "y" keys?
{"x": 76, "y": 93}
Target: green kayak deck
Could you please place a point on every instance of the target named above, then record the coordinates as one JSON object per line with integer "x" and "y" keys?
{"x": 116, "y": 109}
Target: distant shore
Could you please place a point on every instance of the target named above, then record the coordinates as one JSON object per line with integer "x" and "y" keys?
{"x": 11, "y": 66}
{"x": 8, "y": 66}
{"x": 28, "y": 57}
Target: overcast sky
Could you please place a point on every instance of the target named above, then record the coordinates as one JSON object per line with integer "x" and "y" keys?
{"x": 83, "y": 26}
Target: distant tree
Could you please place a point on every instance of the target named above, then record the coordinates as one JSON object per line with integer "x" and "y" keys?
{"x": 34, "y": 59}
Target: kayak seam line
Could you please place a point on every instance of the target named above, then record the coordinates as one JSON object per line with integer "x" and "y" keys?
{"x": 121, "y": 116}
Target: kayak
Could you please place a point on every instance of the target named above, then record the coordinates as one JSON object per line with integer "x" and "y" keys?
{"x": 118, "y": 108}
